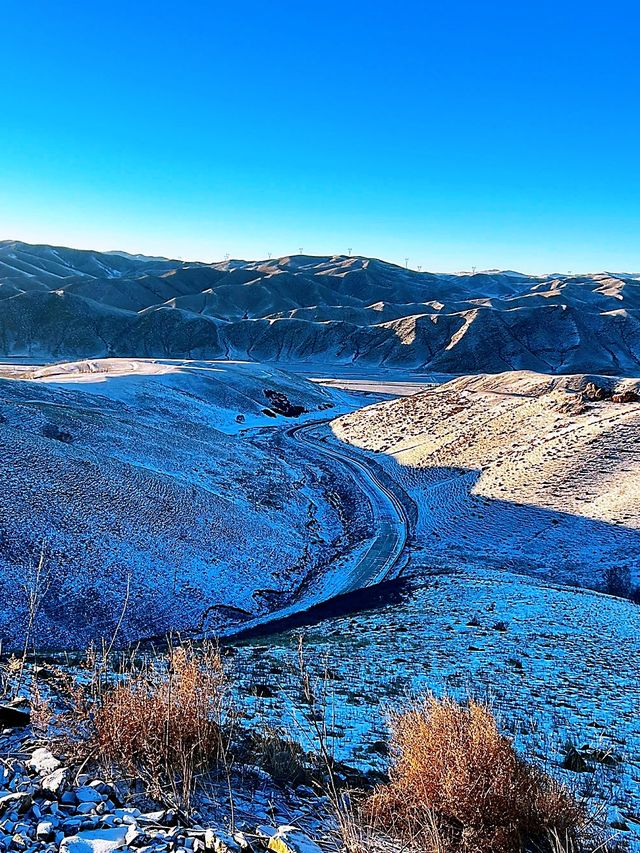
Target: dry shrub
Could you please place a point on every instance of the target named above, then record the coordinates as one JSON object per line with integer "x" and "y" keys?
{"x": 281, "y": 757}
{"x": 166, "y": 722}
{"x": 457, "y": 784}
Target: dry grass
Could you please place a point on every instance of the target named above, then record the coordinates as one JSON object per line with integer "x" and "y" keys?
{"x": 457, "y": 784}
{"x": 280, "y": 756}
{"x": 166, "y": 722}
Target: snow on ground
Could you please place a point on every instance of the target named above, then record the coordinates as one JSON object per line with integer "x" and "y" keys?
{"x": 523, "y": 490}
{"x": 146, "y": 476}
{"x": 561, "y": 670}
{"x": 518, "y": 471}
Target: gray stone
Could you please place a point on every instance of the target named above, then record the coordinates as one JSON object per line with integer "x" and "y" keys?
{"x": 87, "y": 794}
{"x": 43, "y": 761}
{"x": 45, "y": 830}
{"x": 151, "y": 818}
{"x": 20, "y": 842}
{"x": 96, "y": 841}
{"x": 55, "y": 783}
{"x": 20, "y": 800}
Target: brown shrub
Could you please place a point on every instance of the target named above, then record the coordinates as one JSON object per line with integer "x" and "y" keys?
{"x": 165, "y": 723}
{"x": 457, "y": 784}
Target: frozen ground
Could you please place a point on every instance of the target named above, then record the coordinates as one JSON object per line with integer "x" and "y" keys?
{"x": 168, "y": 480}
{"x": 521, "y": 490}
{"x": 516, "y": 471}
{"x": 561, "y": 670}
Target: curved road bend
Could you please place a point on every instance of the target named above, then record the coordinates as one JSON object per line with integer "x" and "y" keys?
{"x": 382, "y": 554}
{"x": 389, "y": 517}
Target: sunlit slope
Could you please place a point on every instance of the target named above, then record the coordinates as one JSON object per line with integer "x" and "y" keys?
{"x": 517, "y": 470}
{"x": 63, "y": 304}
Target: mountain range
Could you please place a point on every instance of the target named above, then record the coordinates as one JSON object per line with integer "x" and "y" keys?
{"x": 60, "y": 303}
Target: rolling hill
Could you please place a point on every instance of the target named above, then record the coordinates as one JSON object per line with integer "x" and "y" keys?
{"x": 58, "y": 303}
{"x": 145, "y": 494}
{"x": 535, "y": 474}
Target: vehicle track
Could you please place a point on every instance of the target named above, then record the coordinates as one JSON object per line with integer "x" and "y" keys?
{"x": 376, "y": 564}
{"x": 389, "y": 516}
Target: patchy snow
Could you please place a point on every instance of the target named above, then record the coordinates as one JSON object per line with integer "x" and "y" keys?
{"x": 562, "y": 669}
{"x": 520, "y": 489}
{"x": 517, "y": 471}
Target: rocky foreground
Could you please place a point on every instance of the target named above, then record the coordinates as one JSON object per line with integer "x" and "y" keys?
{"x": 47, "y": 806}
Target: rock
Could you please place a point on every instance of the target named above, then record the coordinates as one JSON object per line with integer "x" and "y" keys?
{"x": 265, "y": 833}
{"x": 263, "y": 691}
{"x": 151, "y": 818}
{"x": 289, "y": 839}
{"x": 595, "y": 393}
{"x": 20, "y": 800}
{"x": 574, "y": 761}
{"x": 241, "y": 839}
{"x": 121, "y": 790}
{"x": 626, "y": 397}
{"x": 55, "y": 783}
{"x": 87, "y": 794}
{"x": 127, "y": 815}
{"x": 20, "y": 842}
{"x": 13, "y": 716}
{"x": 220, "y": 842}
{"x": 45, "y": 830}
{"x": 43, "y": 761}
{"x": 306, "y": 791}
{"x": 102, "y": 787}
{"x": 134, "y": 837}
{"x": 96, "y": 841}
{"x": 42, "y": 673}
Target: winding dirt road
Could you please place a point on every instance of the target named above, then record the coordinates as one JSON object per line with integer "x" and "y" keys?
{"x": 389, "y": 517}
{"x": 382, "y": 555}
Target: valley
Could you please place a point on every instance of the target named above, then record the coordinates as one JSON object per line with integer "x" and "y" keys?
{"x": 456, "y": 515}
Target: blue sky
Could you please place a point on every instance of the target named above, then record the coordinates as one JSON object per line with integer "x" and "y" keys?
{"x": 457, "y": 134}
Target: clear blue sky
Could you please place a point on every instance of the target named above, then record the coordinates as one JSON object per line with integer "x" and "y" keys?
{"x": 456, "y": 134}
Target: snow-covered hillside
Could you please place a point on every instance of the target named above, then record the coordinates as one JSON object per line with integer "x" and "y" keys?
{"x": 146, "y": 477}
{"x": 557, "y": 664}
{"x": 517, "y": 471}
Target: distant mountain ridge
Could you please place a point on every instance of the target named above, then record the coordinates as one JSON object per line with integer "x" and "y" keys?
{"x": 69, "y": 303}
